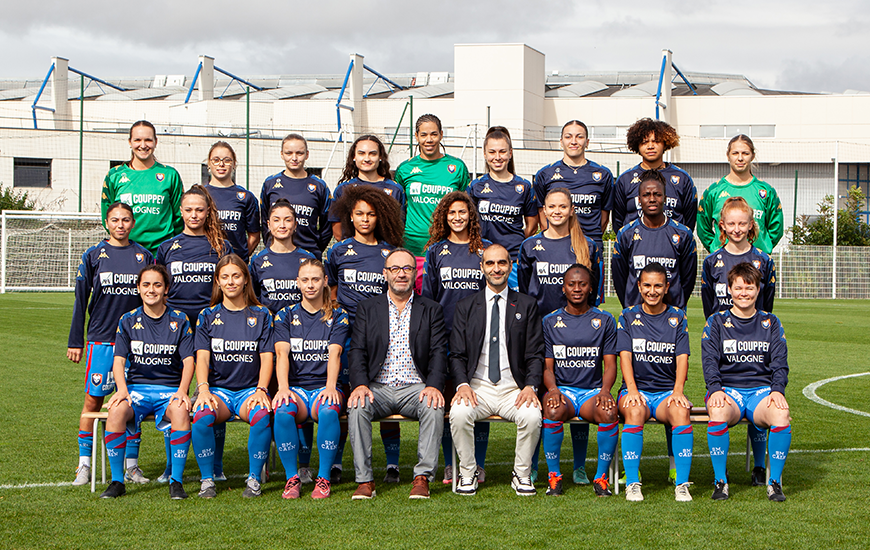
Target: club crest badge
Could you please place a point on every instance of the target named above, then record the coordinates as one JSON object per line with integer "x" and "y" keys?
{"x": 311, "y": 188}
{"x": 385, "y": 252}
{"x": 519, "y": 316}
{"x": 451, "y": 168}
{"x": 96, "y": 379}
{"x": 160, "y": 176}
{"x": 673, "y": 321}
{"x": 675, "y": 179}
{"x": 596, "y": 324}
{"x": 241, "y": 195}
{"x": 757, "y": 264}
{"x": 173, "y": 325}
{"x": 519, "y": 189}
{"x": 252, "y": 321}
{"x": 596, "y": 176}
{"x": 765, "y": 323}
{"x": 762, "y": 193}
{"x": 675, "y": 238}
{"x": 140, "y": 258}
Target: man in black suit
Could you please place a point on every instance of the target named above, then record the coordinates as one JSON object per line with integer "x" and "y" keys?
{"x": 397, "y": 361}
{"x": 497, "y": 360}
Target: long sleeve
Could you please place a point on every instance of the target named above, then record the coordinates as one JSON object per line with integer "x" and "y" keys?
{"x": 437, "y": 350}
{"x": 107, "y": 197}
{"x": 459, "y": 344}
{"x": 357, "y": 353}
{"x": 711, "y": 347}
{"x": 175, "y": 205}
{"x": 769, "y": 291}
{"x": 708, "y": 290}
{"x": 778, "y": 359}
{"x": 431, "y": 277}
{"x": 524, "y": 271}
{"x": 534, "y": 359}
{"x": 704, "y": 221}
{"x": 84, "y": 281}
{"x": 619, "y": 270}
{"x": 690, "y": 200}
{"x": 775, "y": 225}
{"x": 688, "y": 262}
{"x": 617, "y": 215}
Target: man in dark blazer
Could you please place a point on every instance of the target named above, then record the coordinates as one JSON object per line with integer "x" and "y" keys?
{"x": 397, "y": 362}
{"x": 497, "y": 361}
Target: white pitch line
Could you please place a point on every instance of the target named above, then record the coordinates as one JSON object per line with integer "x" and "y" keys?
{"x": 810, "y": 393}
{"x": 565, "y": 461}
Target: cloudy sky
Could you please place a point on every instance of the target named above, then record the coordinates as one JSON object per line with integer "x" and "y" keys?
{"x": 797, "y": 45}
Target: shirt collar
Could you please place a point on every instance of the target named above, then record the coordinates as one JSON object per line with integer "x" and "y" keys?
{"x": 490, "y": 293}
{"x": 392, "y": 303}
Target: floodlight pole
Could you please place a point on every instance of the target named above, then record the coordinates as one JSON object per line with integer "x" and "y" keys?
{"x": 81, "y": 134}
{"x": 836, "y": 160}
{"x": 247, "y": 137}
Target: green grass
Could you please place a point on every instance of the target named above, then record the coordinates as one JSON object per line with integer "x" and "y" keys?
{"x": 41, "y": 396}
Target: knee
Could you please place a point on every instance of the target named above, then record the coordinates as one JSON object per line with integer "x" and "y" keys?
{"x": 605, "y": 417}
{"x": 460, "y": 413}
{"x": 327, "y": 413}
{"x": 558, "y": 413}
{"x": 285, "y": 415}
{"x": 633, "y": 414}
{"x": 529, "y": 417}
{"x": 259, "y": 418}
{"x": 203, "y": 419}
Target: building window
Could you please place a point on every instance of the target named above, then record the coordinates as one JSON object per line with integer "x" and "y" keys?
{"x": 719, "y": 131}
{"x": 857, "y": 175}
{"x": 29, "y": 172}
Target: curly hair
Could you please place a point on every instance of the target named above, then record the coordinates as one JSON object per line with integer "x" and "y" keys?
{"x": 639, "y": 131}
{"x": 388, "y": 227}
{"x": 440, "y": 229}
{"x": 350, "y": 168}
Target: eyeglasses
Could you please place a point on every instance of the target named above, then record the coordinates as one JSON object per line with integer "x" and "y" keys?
{"x": 407, "y": 269}
{"x": 222, "y": 162}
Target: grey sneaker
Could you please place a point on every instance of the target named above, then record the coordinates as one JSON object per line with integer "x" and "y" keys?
{"x": 220, "y": 476}
{"x": 774, "y": 492}
{"x": 579, "y": 476}
{"x": 206, "y": 489}
{"x": 481, "y": 475}
{"x": 681, "y": 493}
{"x": 305, "y": 476}
{"x": 165, "y": 477}
{"x": 252, "y": 488}
{"x": 448, "y": 475}
{"x": 392, "y": 474}
{"x": 134, "y": 474}
{"x": 633, "y": 492}
{"x": 83, "y": 475}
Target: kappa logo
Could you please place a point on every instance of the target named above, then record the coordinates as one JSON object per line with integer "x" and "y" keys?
{"x": 486, "y": 188}
{"x": 636, "y": 236}
{"x": 556, "y": 176}
{"x": 451, "y": 168}
{"x": 538, "y": 246}
{"x": 140, "y": 258}
{"x": 637, "y": 323}
{"x": 252, "y": 322}
{"x": 106, "y": 278}
{"x": 137, "y": 347}
{"x": 675, "y": 179}
{"x": 639, "y": 261}
{"x": 312, "y": 188}
{"x": 266, "y": 262}
{"x": 635, "y": 178}
{"x": 721, "y": 290}
{"x": 416, "y": 170}
{"x": 483, "y": 206}
{"x": 176, "y": 268}
{"x": 675, "y": 238}
{"x": 296, "y": 322}
{"x": 638, "y": 345}
{"x": 728, "y": 323}
{"x": 138, "y": 324}
{"x": 124, "y": 179}
{"x": 719, "y": 263}
{"x": 103, "y": 254}
{"x": 269, "y": 284}
{"x": 542, "y": 268}
{"x": 217, "y": 345}
{"x": 446, "y": 274}
{"x": 560, "y": 352}
{"x": 175, "y": 246}
{"x": 160, "y": 176}
{"x": 444, "y": 251}
{"x": 724, "y": 194}
{"x": 350, "y": 275}
{"x": 762, "y": 193}
{"x": 126, "y": 198}
{"x": 729, "y": 346}
{"x": 217, "y": 320}
{"x": 278, "y": 185}
{"x": 596, "y": 324}
{"x": 673, "y": 321}
{"x": 519, "y": 189}
{"x": 343, "y": 321}
{"x": 240, "y": 195}
{"x": 765, "y": 324}
{"x": 596, "y": 176}
{"x": 350, "y": 251}
{"x": 560, "y": 323}
{"x": 173, "y": 325}
{"x": 296, "y": 345}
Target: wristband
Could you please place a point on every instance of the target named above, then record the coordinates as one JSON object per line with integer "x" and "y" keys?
{"x": 201, "y": 384}
{"x": 264, "y": 390}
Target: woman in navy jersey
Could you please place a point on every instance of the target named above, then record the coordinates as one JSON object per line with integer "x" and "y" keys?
{"x": 654, "y": 237}
{"x": 309, "y": 196}
{"x": 588, "y": 183}
{"x": 452, "y": 272}
{"x": 234, "y": 354}
{"x": 745, "y": 360}
{"x": 355, "y": 269}
{"x": 367, "y": 164}
{"x": 309, "y": 339}
{"x": 105, "y": 290}
{"x": 237, "y": 207}
{"x": 653, "y": 346}
{"x": 157, "y": 343}
{"x": 650, "y": 139}
{"x": 505, "y": 202}
{"x": 274, "y": 269}
{"x": 542, "y": 262}
{"x": 579, "y": 372}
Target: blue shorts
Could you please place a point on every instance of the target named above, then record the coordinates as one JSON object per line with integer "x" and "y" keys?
{"x": 578, "y": 396}
{"x": 99, "y": 380}
{"x": 234, "y": 399}
{"x": 309, "y": 397}
{"x": 747, "y": 399}
{"x": 653, "y": 399}
{"x": 151, "y": 399}
{"x": 513, "y": 282}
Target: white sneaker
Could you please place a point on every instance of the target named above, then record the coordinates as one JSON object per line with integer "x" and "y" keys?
{"x": 165, "y": 477}
{"x": 682, "y": 494}
{"x": 448, "y": 475}
{"x": 134, "y": 474}
{"x": 466, "y": 486}
{"x": 206, "y": 489}
{"x": 252, "y": 488}
{"x": 305, "y": 476}
{"x": 633, "y": 493}
{"x": 522, "y": 485}
{"x": 83, "y": 475}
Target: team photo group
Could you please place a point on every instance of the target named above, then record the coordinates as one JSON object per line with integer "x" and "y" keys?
{"x": 416, "y": 293}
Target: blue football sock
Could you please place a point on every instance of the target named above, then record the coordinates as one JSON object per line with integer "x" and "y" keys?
{"x": 86, "y": 443}
{"x": 580, "y": 444}
{"x": 166, "y": 442}
{"x": 287, "y": 437}
{"x": 259, "y": 439}
{"x": 779, "y": 442}
{"x": 391, "y": 436}
{"x": 447, "y": 443}
{"x": 718, "y": 440}
{"x": 116, "y": 444}
{"x": 684, "y": 441}
{"x": 179, "y": 441}
{"x": 608, "y": 435}
{"x": 134, "y": 439}
{"x": 328, "y": 432}
{"x": 481, "y": 442}
{"x": 758, "y": 439}
{"x": 306, "y": 437}
{"x": 203, "y": 436}
{"x": 632, "y": 448}
{"x": 220, "y": 437}
{"x": 554, "y": 433}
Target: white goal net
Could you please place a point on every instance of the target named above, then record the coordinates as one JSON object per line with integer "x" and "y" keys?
{"x": 41, "y": 250}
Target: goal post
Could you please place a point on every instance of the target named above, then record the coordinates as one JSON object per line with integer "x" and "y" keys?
{"x": 41, "y": 250}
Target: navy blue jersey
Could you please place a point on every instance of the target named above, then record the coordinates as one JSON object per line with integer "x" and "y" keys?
{"x": 655, "y": 341}
{"x": 309, "y": 338}
{"x": 450, "y": 273}
{"x": 502, "y": 208}
{"x": 106, "y": 289}
{"x": 541, "y": 268}
{"x": 672, "y": 245}
{"x": 155, "y": 348}
{"x": 235, "y": 340}
{"x": 577, "y": 345}
{"x": 388, "y": 186}
{"x": 311, "y": 200}
{"x": 274, "y": 277}
{"x": 591, "y": 187}
{"x": 190, "y": 261}
{"x": 357, "y": 270}
{"x": 239, "y": 212}
{"x": 715, "y": 295}
{"x": 744, "y": 353}
{"x": 681, "y": 196}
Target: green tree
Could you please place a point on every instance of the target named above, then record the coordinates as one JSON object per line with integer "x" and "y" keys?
{"x": 12, "y": 200}
{"x": 851, "y": 230}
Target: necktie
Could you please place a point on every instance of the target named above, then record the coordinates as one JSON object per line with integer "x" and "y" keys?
{"x": 494, "y": 367}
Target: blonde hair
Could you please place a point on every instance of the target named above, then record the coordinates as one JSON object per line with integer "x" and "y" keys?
{"x": 329, "y": 305}
{"x": 578, "y": 239}
{"x": 738, "y": 203}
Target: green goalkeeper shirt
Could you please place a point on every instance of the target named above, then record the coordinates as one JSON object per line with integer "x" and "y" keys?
{"x": 763, "y": 200}
{"x": 425, "y": 183}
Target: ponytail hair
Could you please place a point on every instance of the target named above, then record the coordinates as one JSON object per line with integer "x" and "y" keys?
{"x": 135, "y": 125}
{"x": 281, "y": 203}
{"x": 329, "y": 306}
{"x": 738, "y": 203}
{"x": 578, "y": 239}
{"x": 217, "y": 295}
{"x": 500, "y": 132}
{"x": 213, "y": 231}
